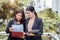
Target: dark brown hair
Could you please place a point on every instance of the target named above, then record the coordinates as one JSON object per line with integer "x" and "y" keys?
{"x": 23, "y": 15}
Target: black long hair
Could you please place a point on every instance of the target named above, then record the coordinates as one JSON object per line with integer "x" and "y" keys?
{"x": 23, "y": 15}
{"x": 31, "y": 8}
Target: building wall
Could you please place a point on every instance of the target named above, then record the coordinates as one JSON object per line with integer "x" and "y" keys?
{"x": 39, "y": 5}
{"x": 54, "y": 4}
{"x": 59, "y": 7}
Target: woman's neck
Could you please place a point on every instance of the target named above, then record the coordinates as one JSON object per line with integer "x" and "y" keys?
{"x": 18, "y": 22}
{"x": 32, "y": 17}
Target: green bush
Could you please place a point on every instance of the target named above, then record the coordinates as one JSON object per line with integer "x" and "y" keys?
{"x": 50, "y": 20}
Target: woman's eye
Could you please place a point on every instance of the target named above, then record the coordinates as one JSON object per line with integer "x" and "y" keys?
{"x": 28, "y": 13}
{"x": 18, "y": 15}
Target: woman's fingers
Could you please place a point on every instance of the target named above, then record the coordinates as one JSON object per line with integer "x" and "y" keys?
{"x": 23, "y": 36}
{"x": 30, "y": 34}
{"x": 10, "y": 29}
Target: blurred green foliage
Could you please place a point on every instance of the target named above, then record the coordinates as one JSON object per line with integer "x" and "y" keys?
{"x": 50, "y": 20}
{"x": 49, "y": 17}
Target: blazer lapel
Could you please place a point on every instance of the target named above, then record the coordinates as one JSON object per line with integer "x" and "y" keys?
{"x": 34, "y": 23}
{"x": 27, "y": 24}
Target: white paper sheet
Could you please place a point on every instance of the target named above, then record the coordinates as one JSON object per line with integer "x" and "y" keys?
{"x": 17, "y": 28}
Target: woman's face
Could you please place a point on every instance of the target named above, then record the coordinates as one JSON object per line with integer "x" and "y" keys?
{"x": 30, "y": 14}
{"x": 19, "y": 16}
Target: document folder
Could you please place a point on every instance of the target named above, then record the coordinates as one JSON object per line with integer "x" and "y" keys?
{"x": 17, "y": 30}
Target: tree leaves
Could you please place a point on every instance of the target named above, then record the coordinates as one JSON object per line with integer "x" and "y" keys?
{"x": 50, "y": 20}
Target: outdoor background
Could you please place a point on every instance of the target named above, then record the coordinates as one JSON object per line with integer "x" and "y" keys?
{"x": 47, "y": 10}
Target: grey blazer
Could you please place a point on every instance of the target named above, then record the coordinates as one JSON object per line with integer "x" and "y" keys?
{"x": 38, "y": 24}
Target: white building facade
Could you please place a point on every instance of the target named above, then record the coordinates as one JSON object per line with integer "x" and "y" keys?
{"x": 39, "y": 5}
{"x": 43, "y": 4}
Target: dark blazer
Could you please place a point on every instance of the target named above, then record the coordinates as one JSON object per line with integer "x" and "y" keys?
{"x": 10, "y": 35}
{"x": 38, "y": 24}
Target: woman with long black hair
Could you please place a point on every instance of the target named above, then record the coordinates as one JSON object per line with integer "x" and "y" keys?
{"x": 33, "y": 23}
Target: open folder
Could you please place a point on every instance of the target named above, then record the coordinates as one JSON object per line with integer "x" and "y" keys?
{"x": 17, "y": 30}
{"x": 34, "y": 31}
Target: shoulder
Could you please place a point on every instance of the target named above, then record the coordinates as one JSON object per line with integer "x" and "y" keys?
{"x": 27, "y": 19}
{"x": 11, "y": 21}
{"x": 39, "y": 19}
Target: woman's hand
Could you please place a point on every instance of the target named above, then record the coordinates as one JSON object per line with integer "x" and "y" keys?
{"x": 11, "y": 29}
{"x": 30, "y": 34}
{"x": 23, "y": 36}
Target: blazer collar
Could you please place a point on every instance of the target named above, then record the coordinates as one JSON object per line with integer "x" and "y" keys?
{"x": 33, "y": 23}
